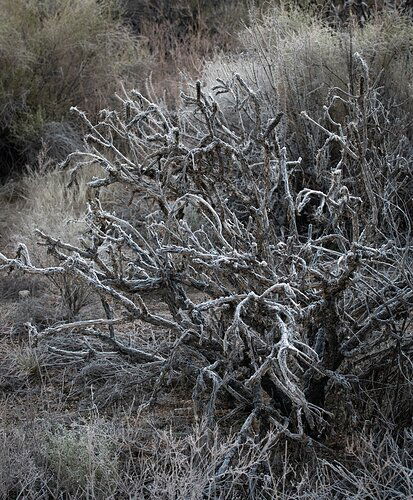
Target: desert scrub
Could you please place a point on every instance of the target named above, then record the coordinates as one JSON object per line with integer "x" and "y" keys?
{"x": 55, "y": 54}
{"x": 43, "y": 201}
{"x": 283, "y": 281}
{"x": 303, "y": 277}
{"x": 82, "y": 460}
{"x": 167, "y": 467}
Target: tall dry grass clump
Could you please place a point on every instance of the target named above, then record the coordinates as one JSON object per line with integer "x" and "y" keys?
{"x": 182, "y": 34}
{"x": 54, "y": 54}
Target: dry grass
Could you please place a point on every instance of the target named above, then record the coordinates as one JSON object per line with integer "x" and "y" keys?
{"x": 183, "y": 34}
{"x": 42, "y": 199}
{"x": 94, "y": 458}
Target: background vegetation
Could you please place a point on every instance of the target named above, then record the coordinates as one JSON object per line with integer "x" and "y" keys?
{"x": 55, "y": 54}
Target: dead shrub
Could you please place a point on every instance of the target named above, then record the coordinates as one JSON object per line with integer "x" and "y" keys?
{"x": 302, "y": 276}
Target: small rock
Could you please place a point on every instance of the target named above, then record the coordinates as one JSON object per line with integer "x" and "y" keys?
{"x": 24, "y": 294}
